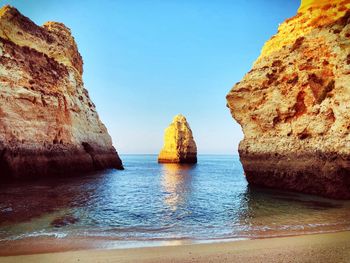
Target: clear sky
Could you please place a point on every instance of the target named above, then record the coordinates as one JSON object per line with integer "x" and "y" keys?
{"x": 146, "y": 61}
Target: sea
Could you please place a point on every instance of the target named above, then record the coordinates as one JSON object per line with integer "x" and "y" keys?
{"x": 150, "y": 203}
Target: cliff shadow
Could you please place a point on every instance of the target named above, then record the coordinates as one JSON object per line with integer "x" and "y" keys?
{"x": 21, "y": 201}
{"x": 270, "y": 212}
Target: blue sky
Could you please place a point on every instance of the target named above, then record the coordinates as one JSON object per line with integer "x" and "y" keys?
{"x": 146, "y": 61}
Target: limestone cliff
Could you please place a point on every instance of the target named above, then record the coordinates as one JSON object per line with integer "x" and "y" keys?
{"x": 179, "y": 145}
{"x": 293, "y": 105}
{"x": 48, "y": 123}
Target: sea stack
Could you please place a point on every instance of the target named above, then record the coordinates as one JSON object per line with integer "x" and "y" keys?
{"x": 48, "y": 124}
{"x": 294, "y": 107}
{"x": 179, "y": 145}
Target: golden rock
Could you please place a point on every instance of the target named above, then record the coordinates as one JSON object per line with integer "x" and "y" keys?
{"x": 48, "y": 124}
{"x": 293, "y": 105}
{"x": 179, "y": 145}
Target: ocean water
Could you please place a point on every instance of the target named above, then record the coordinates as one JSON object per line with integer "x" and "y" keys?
{"x": 163, "y": 202}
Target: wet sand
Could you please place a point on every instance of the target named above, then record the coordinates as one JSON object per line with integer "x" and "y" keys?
{"x": 332, "y": 247}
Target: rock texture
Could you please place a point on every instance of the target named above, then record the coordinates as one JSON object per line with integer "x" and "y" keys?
{"x": 48, "y": 124}
{"x": 179, "y": 145}
{"x": 293, "y": 105}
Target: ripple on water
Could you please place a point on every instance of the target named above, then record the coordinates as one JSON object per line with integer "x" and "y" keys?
{"x": 151, "y": 201}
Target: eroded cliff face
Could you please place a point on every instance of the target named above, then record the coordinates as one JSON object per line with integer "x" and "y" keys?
{"x": 48, "y": 124}
{"x": 179, "y": 145}
{"x": 293, "y": 105}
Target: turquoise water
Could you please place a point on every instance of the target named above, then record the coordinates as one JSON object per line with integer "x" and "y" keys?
{"x": 151, "y": 201}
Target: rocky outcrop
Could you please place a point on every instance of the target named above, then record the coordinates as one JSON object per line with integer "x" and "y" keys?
{"x": 48, "y": 123}
{"x": 179, "y": 145}
{"x": 293, "y": 105}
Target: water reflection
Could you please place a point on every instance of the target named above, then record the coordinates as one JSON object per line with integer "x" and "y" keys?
{"x": 22, "y": 201}
{"x": 176, "y": 183}
{"x": 148, "y": 201}
{"x": 267, "y": 212}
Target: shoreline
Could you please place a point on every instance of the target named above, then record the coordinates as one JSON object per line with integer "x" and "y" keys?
{"x": 56, "y": 244}
{"x": 326, "y": 247}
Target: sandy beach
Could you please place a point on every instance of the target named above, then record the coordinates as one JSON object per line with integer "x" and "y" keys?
{"x": 330, "y": 247}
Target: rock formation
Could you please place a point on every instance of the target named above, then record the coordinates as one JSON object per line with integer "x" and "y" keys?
{"x": 48, "y": 124}
{"x": 179, "y": 145}
{"x": 293, "y": 105}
